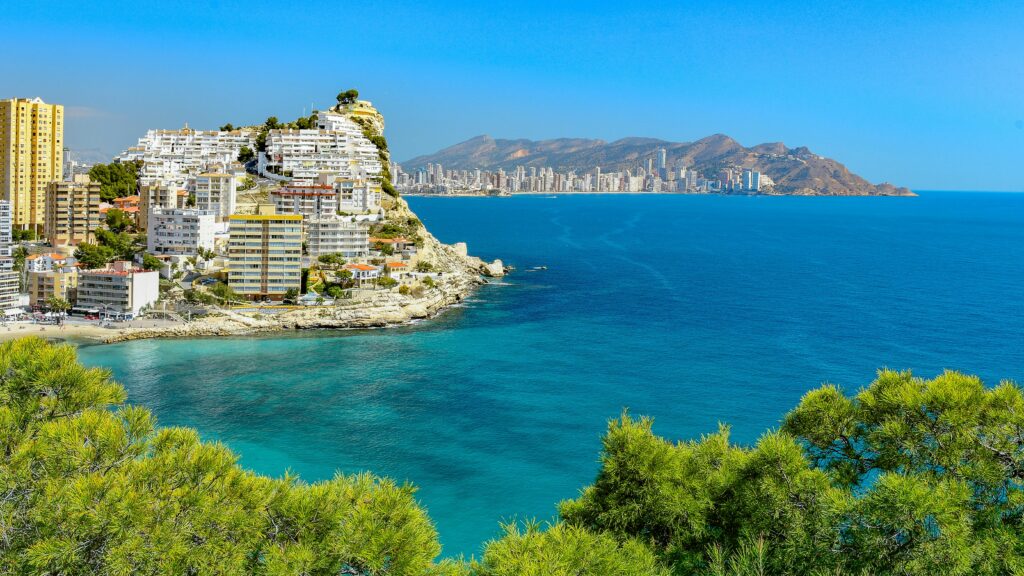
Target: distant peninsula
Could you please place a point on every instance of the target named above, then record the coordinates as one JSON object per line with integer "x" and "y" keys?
{"x": 716, "y": 160}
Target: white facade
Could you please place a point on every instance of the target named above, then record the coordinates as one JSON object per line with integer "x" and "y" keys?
{"x": 174, "y": 155}
{"x": 337, "y": 235}
{"x": 216, "y": 193}
{"x": 179, "y": 232}
{"x": 118, "y": 289}
{"x": 306, "y": 199}
{"x": 338, "y": 146}
{"x": 46, "y": 262}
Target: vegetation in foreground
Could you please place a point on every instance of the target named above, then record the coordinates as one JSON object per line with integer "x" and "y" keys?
{"x": 910, "y": 476}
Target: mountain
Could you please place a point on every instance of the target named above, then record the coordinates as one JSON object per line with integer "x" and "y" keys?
{"x": 795, "y": 171}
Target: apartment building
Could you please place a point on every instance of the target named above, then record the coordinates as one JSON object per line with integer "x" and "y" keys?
{"x": 72, "y": 211}
{"x": 179, "y": 232}
{"x": 216, "y": 192}
{"x": 59, "y": 282}
{"x": 265, "y": 253}
{"x": 338, "y": 146}
{"x": 172, "y": 156}
{"x": 31, "y": 156}
{"x": 306, "y": 199}
{"x": 158, "y": 195}
{"x": 119, "y": 289}
{"x": 336, "y": 235}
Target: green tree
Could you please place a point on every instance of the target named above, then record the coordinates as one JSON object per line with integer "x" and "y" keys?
{"x": 92, "y": 255}
{"x": 291, "y": 295}
{"x": 58, "y": 304}
{"x": 564, "y": 550}
{"x": 227, "y": 127}
{"x": 92, "y": 486}
{"x": 424, "y": 266}
{"x": 118, "y": 220}
{"x": 246, "y": 155}
{"x": 123, "y": 245}
{"x": 116, "y": 179}
{"x": 348, "y": 97}
{"x": 150, "y": 262}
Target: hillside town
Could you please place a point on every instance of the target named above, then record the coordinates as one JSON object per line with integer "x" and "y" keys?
{"x": 238, "y": 222}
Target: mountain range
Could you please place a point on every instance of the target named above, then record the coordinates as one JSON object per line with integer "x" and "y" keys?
{"x": 796, "y": 171}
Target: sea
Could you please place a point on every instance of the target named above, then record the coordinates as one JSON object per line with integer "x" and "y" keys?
{"x": 697, "y": 311}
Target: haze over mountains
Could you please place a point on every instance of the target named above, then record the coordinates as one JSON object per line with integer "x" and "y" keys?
{"x": 795, "y": 171}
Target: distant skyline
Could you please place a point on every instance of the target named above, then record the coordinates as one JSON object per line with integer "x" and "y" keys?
{"x": 924, "y": 94}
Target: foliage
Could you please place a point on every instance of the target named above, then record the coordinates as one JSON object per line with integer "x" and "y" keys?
{"x": 910, "y": 476}
{"x": 92, "y": 255}
{"x": 117, "y": 179}
{"x": 424, "y": 266}
{"x": 227, "y": 127}
{"x": 386, "y": 282}
{"x": 564, "y": 550}
{"x": 246, "y": 155}
{"x": 429, "y": 282}
{"x": 291, "y": 295}
{"x": 248, "y": 183}
{"x": 118, "y": 220}
{"x": 150, "y": 262}
{"x": 92, "y": 486}
{"x": 58, "y": 304}
{"x": 333, "y": 260}
{"x": 20, "y": 254}
{"x": 348, "y": 97}
{"x": 123, "y": 245}
{"x": 27, "y": 235}
{"x": 404, "y": 290}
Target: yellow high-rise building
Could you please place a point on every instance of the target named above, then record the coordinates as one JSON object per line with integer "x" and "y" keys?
{"x": 31, "y": 156}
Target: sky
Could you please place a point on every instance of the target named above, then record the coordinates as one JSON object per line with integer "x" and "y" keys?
{"x": 924, "y": 94}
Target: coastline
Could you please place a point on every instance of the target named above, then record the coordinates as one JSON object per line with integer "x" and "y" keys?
{"x": 461, "y": 275}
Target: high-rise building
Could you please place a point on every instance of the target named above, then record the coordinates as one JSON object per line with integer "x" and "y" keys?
{"x": 72, "y": 211}
{"x": 265, "y": 253}
{"x": 31, "y": 156}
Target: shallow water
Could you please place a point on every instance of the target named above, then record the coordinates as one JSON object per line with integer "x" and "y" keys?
{"x": 692, "y": 309}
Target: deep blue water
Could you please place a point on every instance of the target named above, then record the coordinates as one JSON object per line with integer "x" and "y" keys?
{"x": 692, "y": 309}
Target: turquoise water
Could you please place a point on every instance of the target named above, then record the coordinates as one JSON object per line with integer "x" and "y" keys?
{"x": 692, "y": 309}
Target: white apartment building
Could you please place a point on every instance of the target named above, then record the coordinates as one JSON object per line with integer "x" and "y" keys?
{"x": 306, "y": 199}
{"x": 118, "y": 289}
{"x": 174, "y": 155}
{"x": 179, "y": 231}
{"x": 337, "y": 146}
{"x": 216, "y": 192}
{"x": 337, "y": 235}
{"x": 47, "y": 261}
{"x": 354, "y": 195}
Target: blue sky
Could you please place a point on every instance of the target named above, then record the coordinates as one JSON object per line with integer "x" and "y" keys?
{"x": 924, "y": 94}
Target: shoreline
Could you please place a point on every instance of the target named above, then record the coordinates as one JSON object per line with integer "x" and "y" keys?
{"x": 384, "y": 309}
